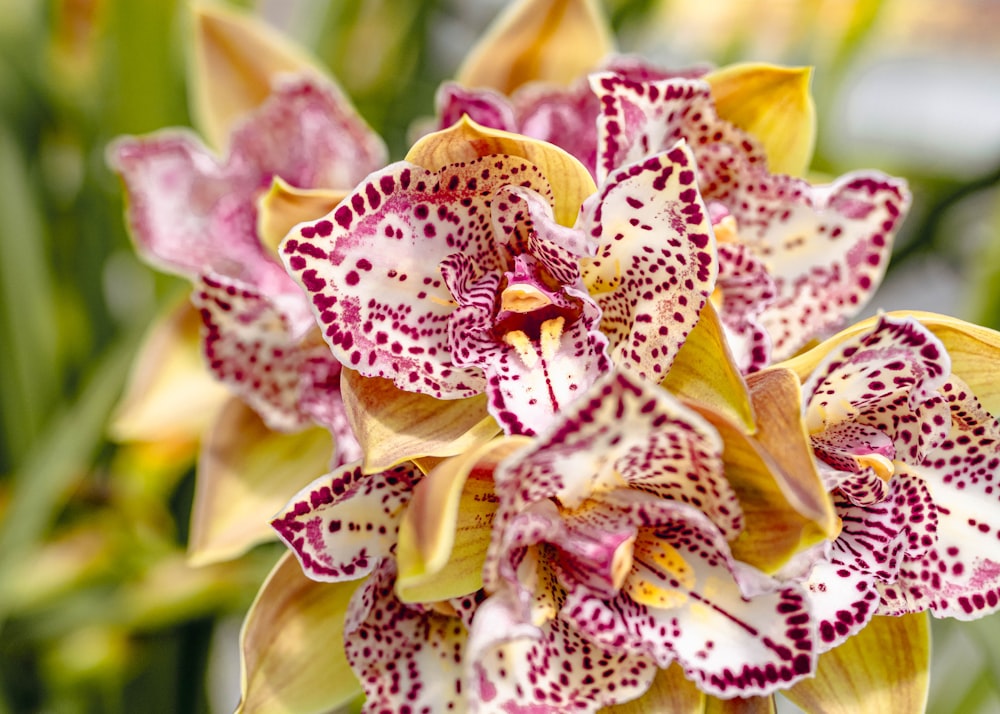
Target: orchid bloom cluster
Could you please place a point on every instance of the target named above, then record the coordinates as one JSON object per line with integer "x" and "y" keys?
{"x": 594, "y": 444}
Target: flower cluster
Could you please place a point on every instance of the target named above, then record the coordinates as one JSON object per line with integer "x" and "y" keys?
{"x": 583, "y": 456}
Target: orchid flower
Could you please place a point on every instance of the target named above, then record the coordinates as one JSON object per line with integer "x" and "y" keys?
{"x": 487, "y": 262}
{"x": 802, "y": 258}
{"x": 292, "y": 143}
{"x": 908, "y": 452}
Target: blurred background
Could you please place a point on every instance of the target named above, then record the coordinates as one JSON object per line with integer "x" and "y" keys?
{"x": 99, "y": 611}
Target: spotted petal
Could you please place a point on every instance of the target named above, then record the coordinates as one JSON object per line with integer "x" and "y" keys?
{"x": 623, "y": 434}
{"x": 408, "y": 658}
{"x": 371, "y": 267}
{"x": 735, "y": 632}
{"x": 191, "y": 213}
{"x": 656, "y": 261}
{"x": 343, "y": 523}
{"x": 546, "y": 669}
{"x": 959, "y": 575}
{"x": 265, "y": 356}
{"x": 887, "y": 379}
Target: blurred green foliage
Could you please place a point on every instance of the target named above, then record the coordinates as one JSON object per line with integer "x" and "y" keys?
{"x": 98, "y": 612}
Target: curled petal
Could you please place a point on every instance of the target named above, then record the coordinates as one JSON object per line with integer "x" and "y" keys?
{"x": 746, "y": 290}
{"x": 341, "y": 524}
{"x": 292, "y": 657}
{"x": 842, "y": 601}
{"x": 371, "y": 268}
{"x": 974, "y": 351}
{"x": 446, "y": 528}
{"x": 656, "y": 263}
{"x": 887, "y": 379}
{"x": 393, "y": 426}
{"x": 551, "y": 41}
{"x": 774, "y": 105}
{"x": 466, "y": 141}
{"x": 624, "y": 433}
{"x": 245, "y": 473}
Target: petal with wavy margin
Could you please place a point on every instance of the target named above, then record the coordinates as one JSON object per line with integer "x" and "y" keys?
{"x": 408, "y": 658}
{"x": 656, "y": 262}
{"x": 341, "y": 524}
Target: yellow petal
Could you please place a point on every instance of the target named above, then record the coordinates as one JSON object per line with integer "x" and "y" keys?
{"x": 974, "y": 351}
{"x": 446, "y": 528}
{"x": 393, "y": 426}
{"x": 785, "y": 506}
{"x": 169, "y": 395}
{"x": 773, "y": 104}
{"x": 670, "y": 692}
{"x": 292, "y": 645}
{"x": 466, "y": 140}
{"x": 246, "y": 473}
{"x": 236, "y": 57}
{"x": 704, "y": 371}
{"x": 884, "y": 668}
{"x": 750, "y": 705}
{"x": 284, "y": 206}
{"x": 548, "y": 40}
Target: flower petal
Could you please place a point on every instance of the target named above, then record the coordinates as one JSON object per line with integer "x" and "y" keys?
{"x": 284, "y": 206}
{"x": 959, "y": 574}
{"x": 974, "y": 351}
{"x": 730, "y": 627}
{"x": 261, "y": 353}
{"x": 774, "y": 105}
{"x": 236, "y": 57}
{"x": 784, "y": 503}
{"x": 371, "y": 267}
{"x": 670, "y": 692}
{"x": 341, "y": 524}
{"x": 292, "y": 659}
{"x": 446, "y": 529}
{"x": 516, "y": 666}
{"x": 169, "y": 395}
{"x": 885, "y": 667}
{"x": 570, "y": 181}
{"x": 408, "y": 658}
{"x": 649, "y": 220}
{"x": 642, "y": 118}
{"x": 393, "y": 426}
{"x": 547, "y": 40}
{"x": 704, "y": 372}
{"x": 245, "y": 474}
